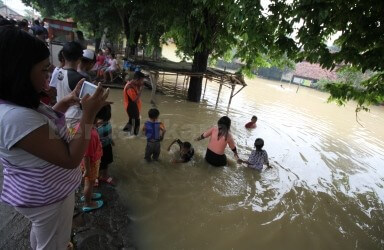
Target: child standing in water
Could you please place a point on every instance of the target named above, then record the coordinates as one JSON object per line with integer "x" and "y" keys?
{"x": 90, "y": 167}
{"x": 258, "y": 157}
{"x": 252, "y": 123}
{"x": 104, "y": 129}
{"x": 186, "y": 151}
{"x": 154, "y": 131}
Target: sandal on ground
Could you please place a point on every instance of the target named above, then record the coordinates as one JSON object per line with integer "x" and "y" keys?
{"x": 108, "y": 180}
{"x": 95, "y": 196}
{"x": 96, "y": 183}
{"x": 99, "y": 204}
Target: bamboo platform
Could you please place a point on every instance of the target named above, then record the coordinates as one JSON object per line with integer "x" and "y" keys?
{"x": 183, "y": 71}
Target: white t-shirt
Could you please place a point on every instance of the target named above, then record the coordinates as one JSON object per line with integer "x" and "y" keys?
{"x": 30, "y": 181}
{"x": 67, "y": 80}
{"x": 54, "y": 77}
{"x": 16, "y": 122}
{"x": 113, "y": 64}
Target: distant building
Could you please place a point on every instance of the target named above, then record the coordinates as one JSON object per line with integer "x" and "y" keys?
{"x": 5, "y": 11}
{"x": 305, "y": 73}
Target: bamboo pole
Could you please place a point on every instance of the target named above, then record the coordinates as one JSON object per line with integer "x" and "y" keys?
{"x": 205, "y": 87}
{"x": 230, "y": 98}
{"x": 177, "y": 77}
{"x": 162, "y": 82}
{"x": 218, "y": 94}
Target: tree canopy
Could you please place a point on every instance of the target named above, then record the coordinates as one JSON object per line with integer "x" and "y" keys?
{"x": 359, "y": 26}
{"x": 297, "y": 30}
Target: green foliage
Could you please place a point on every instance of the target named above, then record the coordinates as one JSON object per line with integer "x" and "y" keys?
{"x": 370, "y": 91}
{"x": 92, "y": 16}
{"x": 359, "y": 25}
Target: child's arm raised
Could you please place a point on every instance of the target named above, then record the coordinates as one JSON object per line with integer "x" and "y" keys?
{"x": 162, "y": 131}
{"x": 170, "y": 145}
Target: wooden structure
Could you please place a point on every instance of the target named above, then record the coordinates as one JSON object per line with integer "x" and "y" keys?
{"x": 183, "y": 71}
{"x": 59, "y": 32}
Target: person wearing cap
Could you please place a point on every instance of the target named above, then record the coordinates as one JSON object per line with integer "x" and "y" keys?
{"x": 86, "y": 63}
{"x": 132, "y": 102}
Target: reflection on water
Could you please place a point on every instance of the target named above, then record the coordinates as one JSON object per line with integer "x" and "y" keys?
{"x": 325, "y": 190}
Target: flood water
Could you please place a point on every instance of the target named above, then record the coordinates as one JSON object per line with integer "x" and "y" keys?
{"x": 325, "y": 190}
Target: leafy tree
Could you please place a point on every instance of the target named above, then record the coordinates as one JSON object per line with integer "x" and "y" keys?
{"x": 94, "y": 16}
{"x": 359, "y": 25}
{"x": 203, "y": 29}
{"x": 29, "y": 14}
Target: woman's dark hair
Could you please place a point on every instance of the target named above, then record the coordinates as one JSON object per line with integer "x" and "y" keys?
{"x": 259, "y": 144}
{"x": 72, "y": 51}
{"x": 224, "y": 125}
{"x": 19, "y": 52}
{"x": 113, "y": 55}
{"x": 104, "y": 113}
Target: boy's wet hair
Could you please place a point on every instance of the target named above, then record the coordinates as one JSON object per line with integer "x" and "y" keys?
{"x": 259, "y": 143}
{"x": 254, "y": 117}
{"x": 104, "y": 113}
{"x": 153, "y": 113}
{"x": 72, "y": 51}
{"x": 187, "y": 145}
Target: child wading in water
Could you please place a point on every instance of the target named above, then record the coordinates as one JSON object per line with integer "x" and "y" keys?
{"x": 104, "y": 129}
{"x": 252, "y": 123}
{"x": 258, "y": 157}
{"x": 154, "y": 131}
{"x": 90, "y": 167}
{"x": 186, "y": 151}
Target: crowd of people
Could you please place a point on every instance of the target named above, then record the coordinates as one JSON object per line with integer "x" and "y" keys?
{"x": 48, "y": 148}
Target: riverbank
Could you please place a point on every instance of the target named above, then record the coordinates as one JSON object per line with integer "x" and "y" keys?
{"x": 106, "y": 228}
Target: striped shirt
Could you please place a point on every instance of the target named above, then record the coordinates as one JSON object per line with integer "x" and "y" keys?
{"x": 30, "y": 181}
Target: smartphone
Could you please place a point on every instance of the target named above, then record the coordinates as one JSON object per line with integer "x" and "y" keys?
{"x": 87, "y": 88}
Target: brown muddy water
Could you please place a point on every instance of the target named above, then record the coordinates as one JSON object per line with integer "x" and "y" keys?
{"x": 325, "y": 190}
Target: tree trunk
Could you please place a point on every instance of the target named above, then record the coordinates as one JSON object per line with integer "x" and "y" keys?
{"x": 133, "y": 47}
{"x": 199, "y": 65}
{"x": 97, "y": 43}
